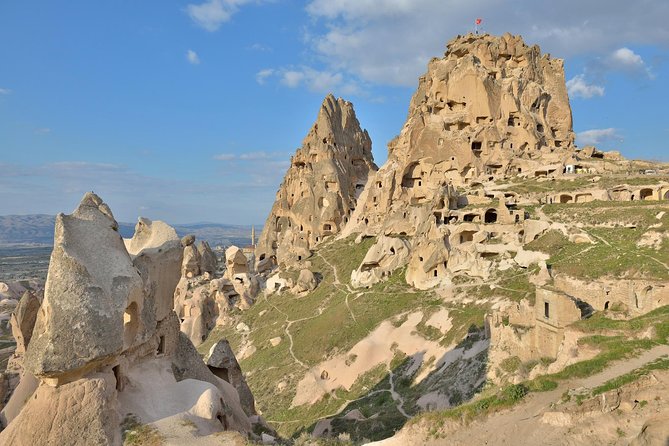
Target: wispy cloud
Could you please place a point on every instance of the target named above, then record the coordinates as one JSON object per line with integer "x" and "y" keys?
{"x": 43, "y": 130}
{"x": 260, "y": 47}
{"x": 5, "y": 91}
{"x": 192, "y": 57}
{"x": 225, "y": 157}
{"x": 211, "y": 14}
{"x": 597, "y": 136}
{"x": 263, "y": 75}
{"x": 391, "y": 41}
{"x": 579, "y": 87}
{"x": 625, "y": 60}
{"x": 321, "y": 81}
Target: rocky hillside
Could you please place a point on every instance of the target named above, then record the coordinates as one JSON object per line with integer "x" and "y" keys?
{"x": 488, "y": 261}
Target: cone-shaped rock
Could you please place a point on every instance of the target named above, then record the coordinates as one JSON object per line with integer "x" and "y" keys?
{"x": 321, "y": 187}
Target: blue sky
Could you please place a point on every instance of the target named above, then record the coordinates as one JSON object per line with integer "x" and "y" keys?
{"x": 188, "y": 111}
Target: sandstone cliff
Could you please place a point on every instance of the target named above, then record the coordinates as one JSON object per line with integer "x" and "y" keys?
{"x": 321, "y": 187}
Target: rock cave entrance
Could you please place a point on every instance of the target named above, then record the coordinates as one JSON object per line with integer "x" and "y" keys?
{"x": 221, "y": 372}
{"x": 130, "y": 324}
{"x": 491, "y": 216}
{"x": 161, "y": 345}
{"x": 645, "y": 194}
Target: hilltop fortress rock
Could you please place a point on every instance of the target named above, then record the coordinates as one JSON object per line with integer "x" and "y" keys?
{"x": 491, "y": 108}
{"x": 321, "y": 187}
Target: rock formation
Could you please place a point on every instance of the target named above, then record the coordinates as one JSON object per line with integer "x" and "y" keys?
{"x": 201, "y": 299}
{"x": 222, "y": 363}
{"x": 106, "y": 342}
{"x": 321, "y": 187}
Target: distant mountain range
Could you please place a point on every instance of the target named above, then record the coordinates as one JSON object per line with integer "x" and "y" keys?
{"x": 37, "y": 230}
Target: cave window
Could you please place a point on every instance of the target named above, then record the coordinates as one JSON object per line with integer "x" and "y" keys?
{"x": 517, "y": 218}
{"x": 420, "y": 258}
{"x": 420, "y": 183}
{"x": 606, "y": 305}
{"x": 130, "y": 324}
{"x": 520, "y": 170}
{"x": 540, "y": 128}
{"x": 262, "y": 256}
{"x": 117, "y": 376}
{"x": 490, "y": 216}
{"x": 435, "y": 272}
{"x": 299, "y": 258}
{"x": 220, "y": 372}
{"x": 476, "y": 146}
{"x": 161, "y": 345}
{"x": 392, "y": 250}
{"x": 547, "y": 310}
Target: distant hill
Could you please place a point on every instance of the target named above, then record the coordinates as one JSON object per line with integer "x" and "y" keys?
{"x": 37, "y": 230}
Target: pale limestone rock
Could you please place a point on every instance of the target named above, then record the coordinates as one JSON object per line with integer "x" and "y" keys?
{"x": 79, "y": 413}
{"x": 526, "y": 258}
{"x": 208, "y": 260}
{"x": 321, "y": 188}
{"x": 384, "y": 257}
{"x": 91, "y": 284}
{"x": 191, "y": 262}
{"x": 306, "y": 282}
{"x": 222, "y": 363}
{"x": 235, "y": 262}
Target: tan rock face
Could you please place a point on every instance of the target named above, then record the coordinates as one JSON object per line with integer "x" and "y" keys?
{"x": 387, "y": 254}
{"x": 491, "y": 107}
{"x": 79, "y": 413}
{"x": 91, "y": 285}
{"x": 321, "y": 187}
{"x": 222, "y": 363}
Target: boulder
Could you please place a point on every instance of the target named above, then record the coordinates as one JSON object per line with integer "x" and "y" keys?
{"x": 306, "y": 282}
{"x": 235, "y": 262}
{"x": 222, "y": 363}
{"x": 208, "y": 262}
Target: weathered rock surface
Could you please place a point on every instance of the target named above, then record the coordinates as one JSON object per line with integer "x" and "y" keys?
{"x": 321, "y": 187}
{"x": 222, "y": 363}
{"x": 106, "y": 342}
{"x": 387, "y": 254}
{"x": 91, "y": 285}
{"x": 81, "y": 413}
{"x": 306, "y": 281}
{"x": 208, "y": 262}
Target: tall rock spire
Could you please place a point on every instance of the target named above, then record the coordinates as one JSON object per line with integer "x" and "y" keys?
{"x": 321, "y": 187}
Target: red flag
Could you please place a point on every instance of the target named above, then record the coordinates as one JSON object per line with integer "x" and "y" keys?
{"x": 479, "y": 21}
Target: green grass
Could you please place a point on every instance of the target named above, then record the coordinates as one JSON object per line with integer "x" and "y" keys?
{"x": 616, "y": 383}
{"x": 135, "y": 433}
{"x": 615, "y": 253}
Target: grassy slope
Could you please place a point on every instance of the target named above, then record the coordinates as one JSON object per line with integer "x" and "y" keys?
{"x": 322, "y": 325}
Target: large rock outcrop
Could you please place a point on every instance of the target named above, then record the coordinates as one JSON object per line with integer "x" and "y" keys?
{"x": 321, "y": 187}
{"x": 492, "y": 107}
{"x": 106, "y": 343}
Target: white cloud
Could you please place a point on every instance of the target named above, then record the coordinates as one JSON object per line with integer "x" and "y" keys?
{"x": 260, "y": 47}
{"x": 192, "y": 57}
{"x": 578, "y": 87}
{"x": 5, "y": 91}
{"x": 255, "y": 156}
{"x": 625, "y": 60}
{"x": 43, "y": 131}
{"x": 262, "y": 75}
{"x": 225, "y": 157}
{"x": 321, "y": 81}
{"x": 292, "y": 78}
{"x": 391, "y": 41}
{"x": 597, "y": 136}
{"x": 211, "y": 14}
